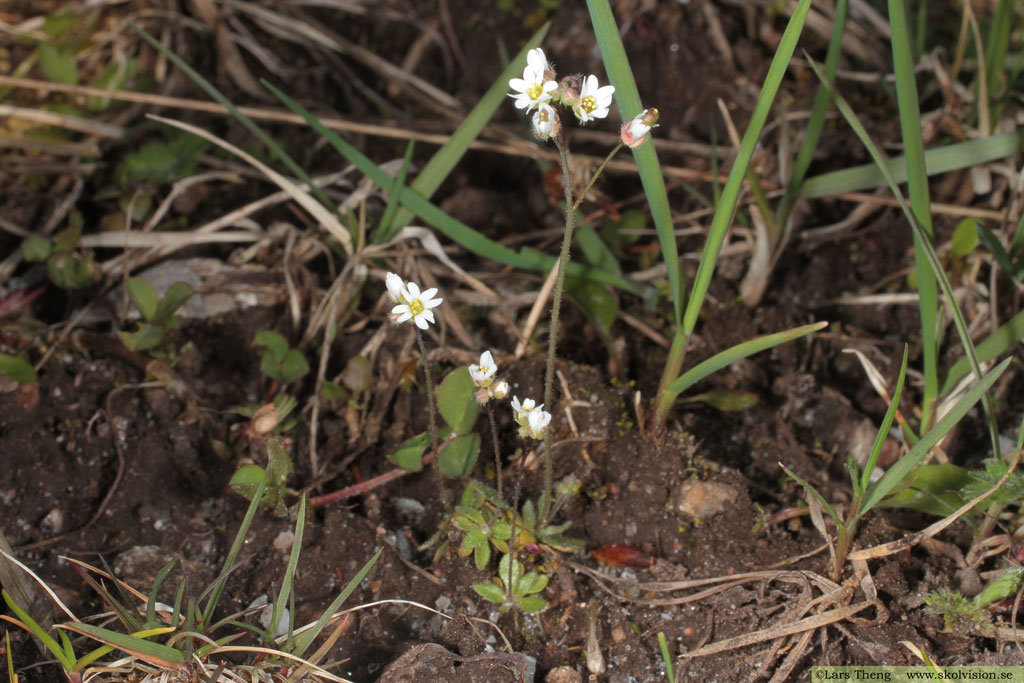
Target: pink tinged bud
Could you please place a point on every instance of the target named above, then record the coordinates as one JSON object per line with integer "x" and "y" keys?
{"x": 482, "y": 396}
{"x": 634, "y": 132}
{"x": 499, "y": 390}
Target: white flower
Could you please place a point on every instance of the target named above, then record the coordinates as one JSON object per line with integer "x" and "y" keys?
{"x": 537, "y": 424}
{"x": 395, "y": 286}
{"x": 416, "y": 305}
{"x": 498, "y": 390}
{"x": 483, "y": 374}
{"x": 524, "y": 409}
{"x": 634, "y": 132}
{"x": 594, "y": 101}
{"x": 545, "y": 122}
{"x": 533, "y": 88}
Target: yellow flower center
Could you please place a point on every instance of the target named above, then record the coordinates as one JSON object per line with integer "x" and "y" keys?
{"x": 588, "y": 104}
{"x": 415, "y": 307}
{"x": 535, "y": 91}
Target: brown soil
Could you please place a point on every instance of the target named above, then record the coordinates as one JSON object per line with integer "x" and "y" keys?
{"x": 101, "y": 465}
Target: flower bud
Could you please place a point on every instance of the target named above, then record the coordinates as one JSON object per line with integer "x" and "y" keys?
{"x": 634, "y": 132}
{"x": 546, "y": 123}
{"x": 499, "y": 390}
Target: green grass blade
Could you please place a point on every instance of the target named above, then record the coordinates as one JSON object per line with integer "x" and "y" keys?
{"x": 384, "y": 231}
{"x": 814, "y": 492}
{"x": 734, "y": 353}
{"x": 628, "y": 98}
{"x": 137, "y": 645}
{"x": 730, "y": 193}
{"x": 920, "y": 202}
{"x": 289, "y": 574}
{"x": 883, "y": 430}
{"x": 926, "y": 249}
{"x": 452, "y": 229}
{"x": 445, "y": 159}
{"x": 269, "y": 142}
{"x": 898, "y": 472}
{"x": 997, "y": 44}
{"x": 45, "y": 638}
{"x": 938, "y": 160}
{"x": 236, "y": 547}
{"x": 309, "y": 636}
{"x": 995, "y": 344}
{"x": 822, "y": 100}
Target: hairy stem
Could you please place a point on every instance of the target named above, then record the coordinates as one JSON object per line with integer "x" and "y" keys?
{"x": 438, "y": 477}
{"x": 497, "y": 450}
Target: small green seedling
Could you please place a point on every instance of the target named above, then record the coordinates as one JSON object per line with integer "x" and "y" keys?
{"x": 67, "y": 267}
{"x": 522, "y": 593}
{"x": 17, "y": 368}
{"x": 248, "y": 480}
{"x": 459, "y": 408}
{"x": 280, "y": 362}
{"x": 154, "y": 331}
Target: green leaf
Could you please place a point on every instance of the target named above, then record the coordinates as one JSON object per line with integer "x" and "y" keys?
{"x": 145, "y": 337}
{"x": 67, "y": 661}
{"x": 67, "y": 240}
{"x": 600, "y": 305}
{"x": 279, "y": 464}
{"x": 18, "y": 369}
{"x": 989, "y": 240}
{"x": 933, "y": 489}
{"x": 620, "y": 74}
{"x": 1004, "y": 586}
{"x": 490, "y": 592}
{"x": 145, "y": 298}
{"x": 456, "y": 401}
{"x": 409, "y": 456}
{"x": 596, "y": 251}
{"x": 732, "y": 354}
{"x": 177, "y": 294}
{"x": 277, "y": 346}
{"x": 531, "y": 582}
{"x": 58, "y": 65}
{"x": 246, "y": 480}
{"x": 333, "y": 391}
{"x": 938, "y": 160}
{"x": 293, "y": 366}
{"x": 68, "y": 271}
{"x": 726, "y": 209}
{"x": 161, "y": 162}
{"x": 899, "y": 471}
{"x": 36, "y": 248}
{"x": 144, "y": 649}
{"x": 965, "y": 236}
{"x": 459, "y": 456}
{"x": 482, "y": 554}
{"x": 532, "y": 604}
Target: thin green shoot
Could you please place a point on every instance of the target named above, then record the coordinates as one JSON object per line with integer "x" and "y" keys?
{"x": 444, "y": 160}
{"x": 388, "y": 226}
{"x": 822, "y": 101}
{"x": 926, "y": 249}
{"x": 953, "y": 157}
{"x": 251, "y": 126}
{"x": 666, "y": 657}
{"x": 726, "y": 210}
{"x": 456, "y": 231}
{"x": 920, "y": 202}
{"x": 627, "y": 96}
